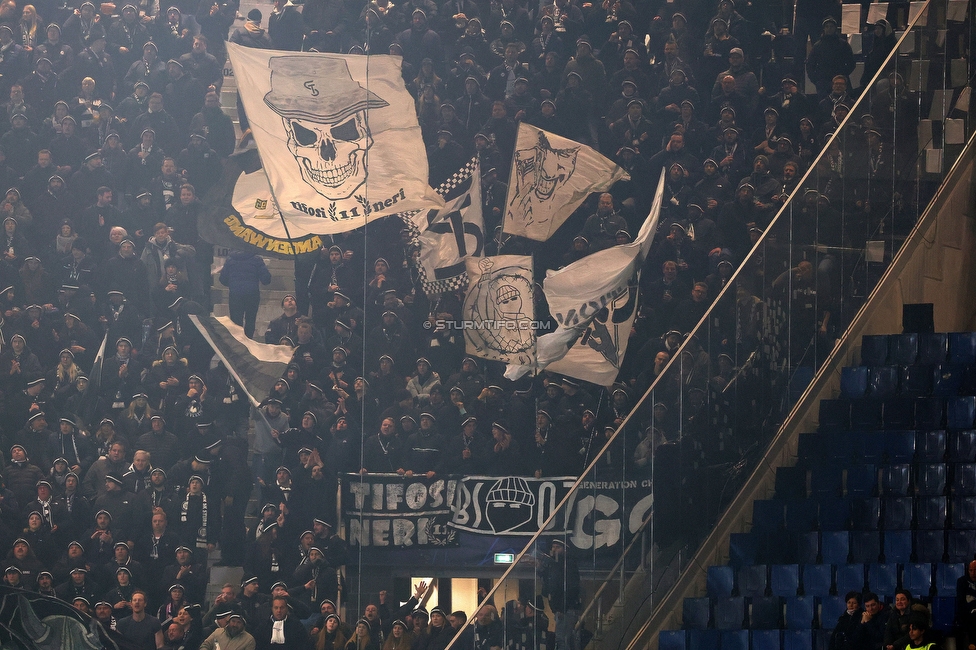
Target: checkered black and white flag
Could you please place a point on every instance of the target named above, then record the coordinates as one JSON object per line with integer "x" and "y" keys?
{"x": 447, "y": 237}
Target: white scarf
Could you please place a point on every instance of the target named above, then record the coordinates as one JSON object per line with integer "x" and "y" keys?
{"x": 278, "y": 632}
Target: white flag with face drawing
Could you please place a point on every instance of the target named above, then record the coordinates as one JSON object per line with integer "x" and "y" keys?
{"x": 551, "y": 177}
{"x": 335, "y": 134}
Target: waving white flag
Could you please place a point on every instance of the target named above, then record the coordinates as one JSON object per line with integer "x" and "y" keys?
{"x": 594, "y": 301}
{"x": 551, "y": 177}
{"x": 453, "y": 234}
{"x": 499, "y": 309}
{"x": 334, "y": 133}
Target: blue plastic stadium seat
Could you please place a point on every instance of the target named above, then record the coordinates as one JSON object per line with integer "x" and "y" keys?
{"x": 774, "y": 548}
{"x": 963, "y": 512}
{"x": 897, "y": 546}
{"x": 849, "y": 577}
{"x": 962, "y": 446}
{"x": 817, "y": 579}
{"x": 838, "y": 449}
{"x": 827, "y": 481}
{"x": 862, "y": 481}
{"x": 883, "y": 578}
{"x": 865, "y": 546}
{"x": 730, "y": 613}
{"x": 766, "y": 640}
{"x": 903, "y": 349}
{"x": 751, "y": 581}
{"x": 865, "y": 513}
{"x": 671, "y": 640}
{"x": 963, "y": 479}
{"x": 784, "y": 579}
{"x": 947, "y": 379}
{"x": 767, "y": 514}
{"x": 735, "y": 640}
{"x": 835, "y": 546}
{"x": 831, "y": 609}
{"x": 853, "y": 382}
{"x": 943, "y": 613}
{"x": 834, "y": 513}
{"x": 932, "y": 347}
{"x": 930, "y": 446}
{"x": 896, "y": 480}
{"x": 900, "y": 446}
{"x": 917, "y": 578}
{"x": 811, "y": 450}
{"x": 821, "y": 639}
{"x": 800, "y": 612}
{"x": 930, "y": 546}
{"x": 801, "y": 516}
{"x": 742, "y": 549}
{"x": 960, "y": 545}
{"x": 703, "y": 639}
{"x": 765, "y": 613}
{"x": 807, "y": 547}
{"x": 835, "y": 415}
{"x": 874, "y": 350}
{"x": 868, "y": 414}
{"x": 897, "y": 513}
{"x": 929, "y": 412}
{"x": 798, "y": 640}
{"x": 960, "y": 412}
{"x": 946, "y": 575}
{"x": 696, "y": 613}
{"x": 869, "y": 448}
{"x": 930, "y": 479}
{"x": 791, "y": 482}
{"x": 882, "y": 382}
{"x": 898, "y": 414}
{"x": 962, "y": 347}
{"x": 720, "y": 581}
{"x": 930, "y": 513}
{"x": 916, "y": 381}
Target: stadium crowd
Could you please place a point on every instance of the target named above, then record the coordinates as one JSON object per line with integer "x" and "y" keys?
{"x": 118, "y": 483}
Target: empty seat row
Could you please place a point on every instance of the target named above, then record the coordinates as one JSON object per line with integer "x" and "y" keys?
{"x": 868, "y": 480}
{"x": 821, "y": 580}
{"x": 825, "y": 616}
{"x": 830, "y": 513}
{"x": 773, "y": 613}
{"x": 860, "y": 546}
{"x": 849, "y": 448}
{"x": 925, "y": 349}
{"x": 882, "y": 382}
{"x": 897, "y": 413}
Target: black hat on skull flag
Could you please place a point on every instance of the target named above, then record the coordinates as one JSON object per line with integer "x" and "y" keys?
{"x": 298, "y": 84}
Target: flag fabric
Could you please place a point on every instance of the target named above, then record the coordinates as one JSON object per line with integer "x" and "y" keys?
{"x": 255, "y": 366}
{"x": 334, "y": 133}
{"x": 499, "y": 309}
{"x": 451, "y": 235}
{"x": 551, "y": 177}
{"x": 594, "y": 302}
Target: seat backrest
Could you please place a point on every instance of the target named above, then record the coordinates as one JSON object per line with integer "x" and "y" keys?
{"x": 800, "y": 612}
{"x": 917, "y": 578}
{"x": 720, "y": 581}
{"x": 817, "y": 579}
{"x": 696, "y": 613}
{"x": 730, "y": 613}
{"x": 784, "y": 579}
{"x": 883, "y": 578}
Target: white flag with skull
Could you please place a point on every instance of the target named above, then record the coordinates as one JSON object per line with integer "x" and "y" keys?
{"x": 335, "y": 134}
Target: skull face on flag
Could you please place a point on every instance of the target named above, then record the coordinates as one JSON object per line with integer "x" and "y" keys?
{"x": 323, "y": 110}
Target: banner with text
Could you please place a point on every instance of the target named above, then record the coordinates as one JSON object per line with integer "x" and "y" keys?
{"x": 394, "y": 511}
